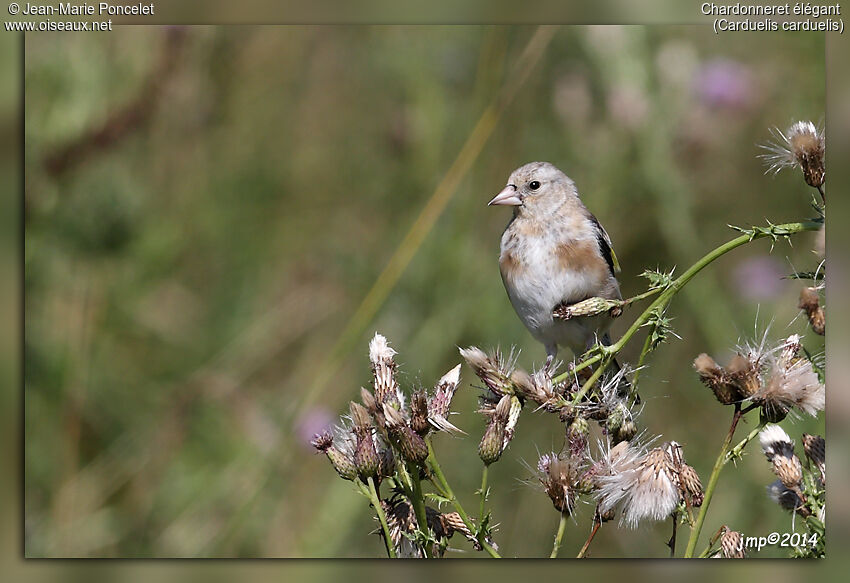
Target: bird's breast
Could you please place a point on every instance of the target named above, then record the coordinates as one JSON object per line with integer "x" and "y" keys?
{"x": 539, "y": 272}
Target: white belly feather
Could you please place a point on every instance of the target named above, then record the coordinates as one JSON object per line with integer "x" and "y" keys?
{"x": 540, "y": 284}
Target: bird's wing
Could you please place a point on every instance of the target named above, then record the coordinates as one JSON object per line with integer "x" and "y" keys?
{"x": 605, "y": 246}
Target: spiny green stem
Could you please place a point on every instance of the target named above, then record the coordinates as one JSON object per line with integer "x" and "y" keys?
{"x": 483, "y": 493}
{"x": 562, "y": 526}
{"x": 449, "y": 493}
{"x": 648, "y": 293}
{"x": 643, "y": 353}
{"x": 582, "y": 365}
{"x": 667, "y": 294}
{"x": 418, "y": 501}
{"x": 736, "y": 451}
{"x": 593, "y": 378}
{"x": 372, "y": 493}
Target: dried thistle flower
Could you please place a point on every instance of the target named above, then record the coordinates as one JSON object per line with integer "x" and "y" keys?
{"x": 718, "y": 379}
{"x": 745, "y": 372}
{"x": 401, "y": 520}
{"x": 452, "y": 522}
{"x": 366, "y": 458}
{"x": 792, "y": 383}
{"x": 779, "y": 450}
{"x": 441, "y": 400}
{"x": 815, "y": 448}
{"x": 369, "y": 401}
{"x": 802, "y": 146}
{"x": 787, "y": 498}
{"x": 341, "y": 458}
{"x": 495, "y": 435}
{"x": 690, "y": 484}
{"x": 386, "y": 466}
{"x": 538, "y": 388}
{"x": 577, "y": 434}
{"x": 413, "y": 448}
{"x": 732, "y": 544}
{"x": 359, "y": 416}
{"x": 643, "y": 485}
{"x": 493, "y": 370}
{"x": 559, "y": 475}
{"x": 381, "y": 356}
{"x": 419, "y": 413}
{"x": 810, "y": 304}
{"x": 687, "y": 479}
{"x": 774, "y": 441}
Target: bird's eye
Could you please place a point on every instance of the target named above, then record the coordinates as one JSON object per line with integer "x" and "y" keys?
{"x": 534, "y": 185}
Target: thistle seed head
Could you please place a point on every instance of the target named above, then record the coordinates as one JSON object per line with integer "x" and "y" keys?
{"x": 732, "y": 544}
{"x": 815, "y": 448}
{"x": 558, "y": 474}
{"x": 492, "y": 370}
{"x": 802, "y": 146}
{"x": 810, "y": 304}
{"x": 383, "y": 370}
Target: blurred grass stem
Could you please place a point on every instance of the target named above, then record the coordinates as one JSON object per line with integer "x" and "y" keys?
{"x": 435, "y": 206}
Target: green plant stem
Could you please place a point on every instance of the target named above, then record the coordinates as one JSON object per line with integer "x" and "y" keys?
{"x": 483, "y": 493}
{"x": 717, "y": 534}
{"x": 643, "y": 353}
{"x": 736, "y": 451}
{"x": 726, "y": 455}
{"x": 665, "y": 296}
{"x": 449, "y": 493}
{"x": 641, "y": 296}
{"x": 562, "y": 526}
{"x": 418, "y": 501}
{"x": 372, "y": 493}
{"x": 712, "y": 483}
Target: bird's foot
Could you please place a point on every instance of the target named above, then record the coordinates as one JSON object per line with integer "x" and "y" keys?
{"x": 547, "y": 368}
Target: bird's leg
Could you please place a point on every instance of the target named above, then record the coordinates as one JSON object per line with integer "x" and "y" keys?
{"x": 551, "y": 352}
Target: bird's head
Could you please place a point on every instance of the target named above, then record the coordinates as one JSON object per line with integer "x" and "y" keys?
{"x": 538, "y": 188}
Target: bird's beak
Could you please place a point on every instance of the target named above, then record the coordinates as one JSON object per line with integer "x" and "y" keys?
{"x": 508, "y": 197}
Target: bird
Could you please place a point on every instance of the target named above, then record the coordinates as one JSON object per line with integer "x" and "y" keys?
{"x": 553, "y": 252}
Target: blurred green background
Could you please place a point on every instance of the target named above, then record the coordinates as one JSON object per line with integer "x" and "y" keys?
{"x": 206, "y": 209}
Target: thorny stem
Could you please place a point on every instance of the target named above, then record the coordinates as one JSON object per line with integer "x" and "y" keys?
{"x": 822, "y": 194}
{"x": 596, "y": 524}
{"x": 643, "y": 353}
{"x": 483, "y": 493}
{"x": 372, "y": 493}
{"x": 648, "y": 293}
{"x": 443, "y": 485}
{"x": 735, "y": 452}
{"x": 562, "y": 526}
{"x": 666, "y": 295}
{"x": 418, "y": 502}
{"x": 712, "y": 482}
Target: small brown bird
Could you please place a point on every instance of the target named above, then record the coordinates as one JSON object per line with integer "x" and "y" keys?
{"x": 554, "y": 251}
